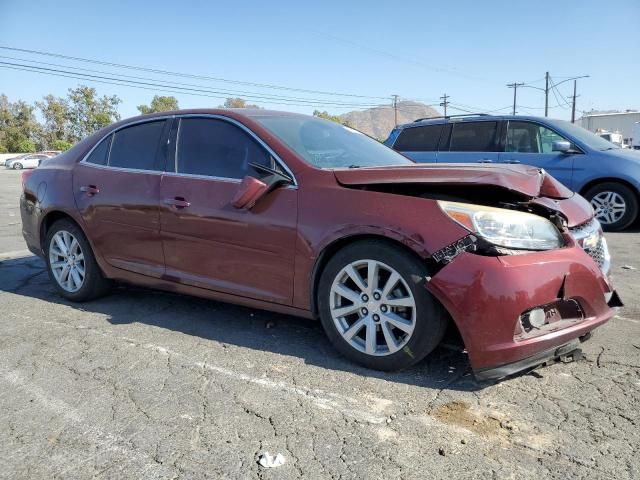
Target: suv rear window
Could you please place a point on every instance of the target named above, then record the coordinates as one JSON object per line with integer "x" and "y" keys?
{"x": 418, "y": 139}
{"x": 474, "y": 137}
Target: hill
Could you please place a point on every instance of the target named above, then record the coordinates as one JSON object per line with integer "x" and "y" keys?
{"x": 379, "y": 121}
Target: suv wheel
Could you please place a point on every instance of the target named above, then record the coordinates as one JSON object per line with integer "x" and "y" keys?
{"x": 71, "y": 264}
{"x": 615, "y": 205}
{"x": 375, "y": 309}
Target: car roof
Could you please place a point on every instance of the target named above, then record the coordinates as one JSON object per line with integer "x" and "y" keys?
{"x": 470, "y": 118}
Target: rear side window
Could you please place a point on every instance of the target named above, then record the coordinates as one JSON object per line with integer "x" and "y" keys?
{"x": 216, "y": 148}
{"x": 100, "y": 153}
{"x": 137, "y": 147}
{"x": 474, "y": 137}
{"x": 418, "y": 139}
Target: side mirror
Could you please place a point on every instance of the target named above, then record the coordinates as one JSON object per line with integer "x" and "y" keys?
{"x": 561, "y": 146}
{"x": 251, "y": 190}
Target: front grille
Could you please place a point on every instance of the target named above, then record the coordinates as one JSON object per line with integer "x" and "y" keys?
{"x": 597, "y": 252}
{"x": 589, "y": 237}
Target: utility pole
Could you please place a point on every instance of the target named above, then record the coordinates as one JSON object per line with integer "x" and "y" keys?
{"x": 444, "y": 103}
{"x": 395, "y": 109}
{"x": 546, "y": 94}
{"x": 515, "y": 86}
{"x": 573, "y": 105}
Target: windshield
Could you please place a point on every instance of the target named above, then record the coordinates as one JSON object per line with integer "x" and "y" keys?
{"x": 591, "y": 140}
{"x": 326, "y": 144}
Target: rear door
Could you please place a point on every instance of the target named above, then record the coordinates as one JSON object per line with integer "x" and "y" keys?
{"x": 531, "y": 143}
{"x": 117, "y": 190}
{"x": 207, "y": 242}
{"x": 470, "y": 142}
{"x": 419, "y": 143}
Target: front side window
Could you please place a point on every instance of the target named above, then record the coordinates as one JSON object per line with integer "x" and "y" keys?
{"x": 217, "y": 148}
{"x": 418, "y": 139}
{"x": 137, "y": 147}
{"x": 527, "y": 137}
{"x": 474, "y": 137}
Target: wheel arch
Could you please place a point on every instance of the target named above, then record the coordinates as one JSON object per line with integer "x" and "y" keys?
{"x": 52, "y": 217}
{"x": 596, "y": 181}
{"x": 338, "y": 244}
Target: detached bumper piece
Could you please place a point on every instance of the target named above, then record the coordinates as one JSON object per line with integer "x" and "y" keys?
{"x": 566, "y": 353}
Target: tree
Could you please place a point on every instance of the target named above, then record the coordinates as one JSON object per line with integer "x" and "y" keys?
{"x": 88, "y": 113}
{"x": 55, "y": 112}
{"x": 159, "y": 104}
{"x": 237, "y": 103}
{"x": 327, "y": 116}
{"x": 19, "y": 129}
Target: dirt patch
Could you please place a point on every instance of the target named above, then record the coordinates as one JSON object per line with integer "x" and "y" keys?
{"x": 460, "y": 414}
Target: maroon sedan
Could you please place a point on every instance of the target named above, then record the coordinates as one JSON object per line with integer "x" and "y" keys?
{"x": 307, "y": 217}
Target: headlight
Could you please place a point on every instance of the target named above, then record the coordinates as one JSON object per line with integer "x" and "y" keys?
{"x": 506, "y": 228}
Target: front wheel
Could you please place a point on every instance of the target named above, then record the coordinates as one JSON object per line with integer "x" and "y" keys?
{"x": 71, "y": 264}
{"x": 375, "y": 309}
{"x": 17, "y": 166}
{"x": 615, "y": 205}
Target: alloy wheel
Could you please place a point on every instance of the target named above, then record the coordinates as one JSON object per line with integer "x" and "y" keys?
{"x": 609, "y": 207}
{"x": 372, "y": 307}
{"x": 67, "y": 261}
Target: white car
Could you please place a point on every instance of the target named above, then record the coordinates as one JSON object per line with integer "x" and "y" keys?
{"x": 29, "y": 161}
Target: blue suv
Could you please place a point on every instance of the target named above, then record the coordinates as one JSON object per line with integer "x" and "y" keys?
{"x": 606, "y": 175}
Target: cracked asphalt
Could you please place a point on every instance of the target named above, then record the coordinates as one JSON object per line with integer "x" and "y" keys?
{"x": 143, "y": 384}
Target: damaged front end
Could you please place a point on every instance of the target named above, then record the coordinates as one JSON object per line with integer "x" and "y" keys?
{"x": 529, "y": 281}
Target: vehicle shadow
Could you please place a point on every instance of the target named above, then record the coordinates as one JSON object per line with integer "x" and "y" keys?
{"x": 234, "y": 325}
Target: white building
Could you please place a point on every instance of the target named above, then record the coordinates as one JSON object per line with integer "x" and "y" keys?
{"x": 618, "y": 122}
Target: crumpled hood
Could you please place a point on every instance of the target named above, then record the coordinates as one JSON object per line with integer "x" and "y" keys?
{"x": 529, "y": 181}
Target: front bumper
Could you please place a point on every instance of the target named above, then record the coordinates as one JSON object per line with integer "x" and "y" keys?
{"x": 486, "y": 297}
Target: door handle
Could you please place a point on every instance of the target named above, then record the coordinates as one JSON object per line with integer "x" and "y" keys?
{"x": 178, "y": 202}
{"x": 485, "y": 160}
{"x": 90, "y": 190}
{"x": 511, "y": 160}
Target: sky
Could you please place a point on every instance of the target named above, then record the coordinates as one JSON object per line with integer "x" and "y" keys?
{"x": 365, "y": 51}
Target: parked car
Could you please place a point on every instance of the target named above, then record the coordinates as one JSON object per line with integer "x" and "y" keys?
{"x": 606, "y": 175}
{"x": 6, "y": 162}
{"x": 27, "y": 161}
{"x": 307, "y": 217}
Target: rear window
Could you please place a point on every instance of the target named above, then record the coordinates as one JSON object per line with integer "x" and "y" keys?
{"x": 137, "y": 147}
{"x": 418, "y": 139}
{"x": 474, "y": 137}
{"x": 99, "y": 154}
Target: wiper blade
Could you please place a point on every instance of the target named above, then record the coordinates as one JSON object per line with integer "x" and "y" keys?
{"x": 354, "y": 166}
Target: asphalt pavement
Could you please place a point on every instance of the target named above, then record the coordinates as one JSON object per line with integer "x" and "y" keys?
{"x": 145, "y": 384}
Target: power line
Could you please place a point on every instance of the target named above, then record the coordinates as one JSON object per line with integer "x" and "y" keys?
{"x": 184, "y": 75}
{"x": 154, "y": 88}
{"x": 178, "y": 89}
{"x": 243, "y": 93}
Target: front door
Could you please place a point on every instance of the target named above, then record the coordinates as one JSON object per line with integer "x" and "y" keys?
{"x": 532, "y": 144}
{"x": 207, "y": 242}
{"x": 117, "y": 191}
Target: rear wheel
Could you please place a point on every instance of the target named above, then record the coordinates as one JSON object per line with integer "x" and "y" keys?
{"x": 71, "y": 264}
{"x": 375, "y": 309}
{"x": 17, "y": 166}
{"x": 615, "y": 205}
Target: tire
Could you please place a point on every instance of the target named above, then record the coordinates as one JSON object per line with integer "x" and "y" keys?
{"x": 607, "y": 198}
{"x": 17, "y": 166}
{"x": 427, "y": 317}
{"x": 93, "y": 284}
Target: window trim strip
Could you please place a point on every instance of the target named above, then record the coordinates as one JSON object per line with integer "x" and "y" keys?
{"x": 164, "y": 171}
